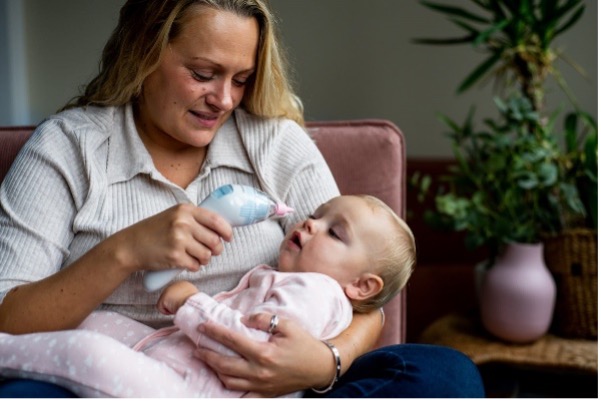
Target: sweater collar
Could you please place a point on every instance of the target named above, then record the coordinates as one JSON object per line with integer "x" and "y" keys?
{"x": 128, "y": 157}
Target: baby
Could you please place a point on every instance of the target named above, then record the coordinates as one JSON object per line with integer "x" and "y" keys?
{"x": 352, "y": 254}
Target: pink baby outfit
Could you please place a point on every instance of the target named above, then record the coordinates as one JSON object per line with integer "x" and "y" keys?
{"x": 92, "y": 364}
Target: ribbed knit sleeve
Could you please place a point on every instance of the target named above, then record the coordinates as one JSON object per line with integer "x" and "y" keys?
{"x": 39, "y": 199}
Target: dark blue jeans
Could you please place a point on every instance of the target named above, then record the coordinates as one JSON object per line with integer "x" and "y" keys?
{"x": 410, "y": 371}
{"x": 404, "y": 370}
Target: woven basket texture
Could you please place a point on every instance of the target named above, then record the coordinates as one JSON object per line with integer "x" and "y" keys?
{"x": 572, "y": 259}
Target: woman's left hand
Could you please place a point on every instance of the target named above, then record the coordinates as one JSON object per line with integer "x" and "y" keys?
{"x": 289, "y": 361}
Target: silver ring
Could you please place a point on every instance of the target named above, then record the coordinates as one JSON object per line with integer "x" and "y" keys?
{"x": 273, "y": 323}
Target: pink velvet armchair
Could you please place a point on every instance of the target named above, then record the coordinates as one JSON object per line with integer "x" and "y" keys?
{"x": 365, "y": 156}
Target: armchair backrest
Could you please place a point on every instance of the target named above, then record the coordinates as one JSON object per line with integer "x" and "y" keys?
{"x": 365, "y": 156}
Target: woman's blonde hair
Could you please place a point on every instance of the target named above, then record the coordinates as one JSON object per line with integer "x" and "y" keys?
{"x": 394, "y": 263}
{"x": 143, "y": 32}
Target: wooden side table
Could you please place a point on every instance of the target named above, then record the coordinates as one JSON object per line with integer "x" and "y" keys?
{"x": 465, "y": 334}
{"x": 549, "y": 354}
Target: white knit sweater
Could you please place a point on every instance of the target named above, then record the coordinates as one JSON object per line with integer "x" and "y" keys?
{"x": 85, "y": 174}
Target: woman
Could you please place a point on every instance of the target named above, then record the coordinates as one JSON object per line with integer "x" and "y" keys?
{"x": 191, "y": 95}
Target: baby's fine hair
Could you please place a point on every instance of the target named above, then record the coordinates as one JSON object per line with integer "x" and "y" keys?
{"x": 396, "y": 262}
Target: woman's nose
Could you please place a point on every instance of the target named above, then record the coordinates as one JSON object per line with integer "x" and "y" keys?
{"x": 221, "y": 96}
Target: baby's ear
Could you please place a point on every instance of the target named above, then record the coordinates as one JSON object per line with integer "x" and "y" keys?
{"x": 363, "y": 287}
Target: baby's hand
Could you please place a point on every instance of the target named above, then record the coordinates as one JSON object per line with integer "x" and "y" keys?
{"x": 174, "y": 296}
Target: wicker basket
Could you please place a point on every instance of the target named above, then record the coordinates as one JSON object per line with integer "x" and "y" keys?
{"x": 572, "y": 259}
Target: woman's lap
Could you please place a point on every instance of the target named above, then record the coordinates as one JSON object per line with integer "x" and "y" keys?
{"x": 404, "y": 370}
{"x": 28, "y": 388}
{"x": 410, "y": 370}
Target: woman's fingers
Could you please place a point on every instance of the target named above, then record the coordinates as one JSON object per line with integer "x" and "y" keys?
{"x": 233, "y": 340}
{"x": 183, "y": 236}
{"x": 236, "y": 373}
{"x": 290, "y": 360}
{"x": 215, "y": 222}
{"x": 206, "y": 235}
{"x": 266, "y": 322}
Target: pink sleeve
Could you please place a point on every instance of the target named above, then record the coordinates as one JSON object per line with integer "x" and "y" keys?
{"x": 314, "y": 301}
{"x": 201, "y": 308}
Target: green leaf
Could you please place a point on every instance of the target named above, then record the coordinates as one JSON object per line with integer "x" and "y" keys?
{"x": 590, "y": 154}
{"x": 528, "y": 181}
{"x": 455, "y": 11}
{"x": 425, "y": 183}
{"x": 573, "y": 19}
{"x": 496, "y": 163}
{"x": 480, "y": 71}
{"x": 482, "y": 4}
{"x": 449, "y": 122}
{"x": 485, "y": 35}
{"x": 571, "y": 195}
{"x": 548, "y": 174}
{"x": 548, "y": 8}
{"x": 497, "y": 10}
{"x": 532, "y": 156}
{"x": 470, "y": 29}
{"x": 570, "y": 132}
{"x": 526, "y": 11}
{"x": 589, "y": 121}
{"x": 500, "y": 104}
{"x": 511, "y": 5}
{"x": 444, "y": 42}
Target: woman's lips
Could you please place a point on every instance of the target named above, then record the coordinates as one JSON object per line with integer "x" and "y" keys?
{"x": 207, "y": 120}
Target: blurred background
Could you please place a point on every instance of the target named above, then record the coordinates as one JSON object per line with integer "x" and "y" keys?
{"x": 352, "y": 59}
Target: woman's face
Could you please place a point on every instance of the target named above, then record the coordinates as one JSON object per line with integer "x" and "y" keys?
{"x": 200, "y": 79}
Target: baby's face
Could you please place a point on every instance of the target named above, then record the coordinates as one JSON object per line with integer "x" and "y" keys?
{"x": 337, "y": 240}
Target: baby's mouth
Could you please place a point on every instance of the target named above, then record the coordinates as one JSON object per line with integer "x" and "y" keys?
{"x": 296, "y": 239}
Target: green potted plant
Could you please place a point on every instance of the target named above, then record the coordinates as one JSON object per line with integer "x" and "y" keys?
{"x": 516, "y": 38}
{"x": 520, "y": 179}
{"x": 504, "y": 185}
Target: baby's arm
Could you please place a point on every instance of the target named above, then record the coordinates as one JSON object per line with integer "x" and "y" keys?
{"x": 325, "y": 314}
{"x": 201, "y": 308}
{"x": 174, "y": 296}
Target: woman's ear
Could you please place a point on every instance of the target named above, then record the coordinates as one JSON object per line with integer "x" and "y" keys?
{"x": 363, "y": 287}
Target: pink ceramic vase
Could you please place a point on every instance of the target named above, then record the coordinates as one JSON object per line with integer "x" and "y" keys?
{"x": 517, "y": 294}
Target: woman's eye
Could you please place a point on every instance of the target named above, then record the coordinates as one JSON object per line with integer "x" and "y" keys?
{"x": 240, "y": 82}
{"x": 201, "y": 77}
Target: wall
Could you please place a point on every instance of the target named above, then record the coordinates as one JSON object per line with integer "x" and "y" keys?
{"x": 352, "y": 59}
{"x": 64, "y": 39}
{"x": 14, "y": 106}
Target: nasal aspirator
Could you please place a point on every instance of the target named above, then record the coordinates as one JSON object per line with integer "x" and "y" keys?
{"x": 237, "y": 204}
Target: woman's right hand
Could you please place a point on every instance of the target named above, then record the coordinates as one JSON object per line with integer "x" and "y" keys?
{"x": 183, "y": 236}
